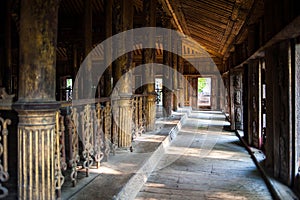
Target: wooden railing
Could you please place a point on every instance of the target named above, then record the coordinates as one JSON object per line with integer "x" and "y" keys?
{"x": 138, "y": 117}
{"x": 85, "y": 135}
{"x": 86, "y": 125}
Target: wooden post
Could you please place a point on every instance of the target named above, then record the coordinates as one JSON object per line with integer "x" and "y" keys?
{"x": 214, "y": 93}
{"x": 167, "y": 90}
{"x": 231, "y": 104}
{"x": 9, "y": 70}
{"x": 180, "y": 79}
{"x": 108, "y": 49}
{"x": 174, "y": 75}
{"x": 254, "y": 104}
{"x": 297, "y": 110}
{"x": 36, "y": 105}
{"x": 88, "y": 42}
{"x": 75, "y": 69}
{"x": 280, "y": 125}
{"x": 236, "y": 106}
{"x": 149, "y": 56}
{"x": 122, "y": 105}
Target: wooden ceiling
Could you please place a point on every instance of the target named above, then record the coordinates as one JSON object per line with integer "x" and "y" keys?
{"x": 215, "y": 24}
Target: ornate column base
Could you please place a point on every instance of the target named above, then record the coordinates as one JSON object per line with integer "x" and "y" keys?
{"x": 122, "y": 115}
{"x": 36, "y": 153}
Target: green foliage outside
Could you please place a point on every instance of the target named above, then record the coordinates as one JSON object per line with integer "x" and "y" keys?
{"x": 201, "y": 84}
{"x": 69, "y": 83}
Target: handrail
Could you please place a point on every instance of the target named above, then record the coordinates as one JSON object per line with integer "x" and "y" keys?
{"x": 84, "y": 102}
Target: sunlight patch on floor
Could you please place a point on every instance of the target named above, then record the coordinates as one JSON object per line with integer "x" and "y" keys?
{"x": 105, "y": 170}
{"x": 225, "y": 195}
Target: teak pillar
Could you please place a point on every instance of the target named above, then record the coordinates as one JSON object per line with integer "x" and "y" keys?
{"x": 167, "y": 79}
{"x": 88, "y": 45}
{"x": 174, "y": 76}
{"x": 254, "y": 104}
{"x": 36, "y": 105}
{"x": 297, "y": 109}
{"x": 236, "y": 104}
{"x": 214, "y": 93}
{"x": 75, "y": 69}
{"x": 279, "y": 106}
{"x": 149, "y": 7}
{"x": 122, "y": 105}
{"x": 180, "y": 77}
{"x": 8, "y": 38}
{"x": 108, "y": 50}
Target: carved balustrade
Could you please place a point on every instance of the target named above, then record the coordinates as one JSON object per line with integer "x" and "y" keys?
{"x": 59, "y": 153}
{"x": 138, "y": 115}
{"x": 88, "y": 135}
{"x": 82, "y": 138}
{"x": 4, "y": 176}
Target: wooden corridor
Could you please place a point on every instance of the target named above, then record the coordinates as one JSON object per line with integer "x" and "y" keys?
{"x": 203, "y": 161}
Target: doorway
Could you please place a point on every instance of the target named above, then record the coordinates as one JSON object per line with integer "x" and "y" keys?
{"x": 204, "y": 92}
{"x": 158, "y": 90}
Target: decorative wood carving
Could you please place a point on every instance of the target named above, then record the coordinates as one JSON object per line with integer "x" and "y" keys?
{"x": 5, "y": 98}
{"x": 73, "y": 126}
{"x": 4, "y": 155}
{"x": 59, "y": 153}
{"x": 237, "y": 97}
{"x": 99, "y": 146}
{"x": 107, "y": 129}
{"x": 87, "y": 136}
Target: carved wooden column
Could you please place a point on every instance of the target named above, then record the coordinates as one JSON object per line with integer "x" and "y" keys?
{"x": 280, "y": 124}
{"x": 167, "y": 79}
{"x": 236, "y": 108}
{"x": 8, "y": 37}
{"x": 254, "y": 104}
{"x": 246, "y": 101}
{"x": 88, "y": 44}
{"x": 214, "y": 93}
{"x": 36, "y": 105}
{"x": 230, "y": 98}
{"x": 108, "y": 49}
{"x": 174, "y": 75}
{"x": 75, "y": 69}
{"x": 149, "y": 56}
{"x": 180, "y": 76}
{"x": 194, "y": 92}
{"x": 122, "y": 105}
{"x": 222, "y": 89}
{"x": 225, "y": 78}
{"x": 297, "y": 108}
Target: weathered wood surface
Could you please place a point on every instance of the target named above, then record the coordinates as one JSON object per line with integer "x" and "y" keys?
{"x": 205, "y": 164}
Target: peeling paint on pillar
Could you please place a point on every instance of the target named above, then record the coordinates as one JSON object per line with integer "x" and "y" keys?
{"x": 38, "y": 31}
{"x": 36, "y": 106}
{"x": 122, "y": 93}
